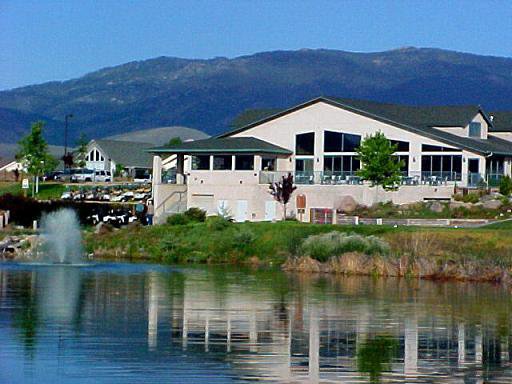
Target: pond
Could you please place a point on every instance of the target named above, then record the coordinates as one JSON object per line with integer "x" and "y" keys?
{"x": 132, "y": 323}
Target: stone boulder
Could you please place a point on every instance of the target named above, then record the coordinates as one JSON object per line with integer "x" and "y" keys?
{"x": 103, "y": 228}
{"x": 436, "y": 206}
{"x": 459, "y": 204}
{"x": 492, "y": 204}
{"x": 345, "y": 204}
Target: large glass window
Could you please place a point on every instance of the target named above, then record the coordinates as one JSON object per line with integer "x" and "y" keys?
{"x": 339, "y": 164}
{"x": 475, "y": 129}
{"x": 351, "y": 142}
{"x": 244, "y": 162}
{"x": 304, "y": 165}
{"x": 305, "y": 144}
{"x": 442, "y": 164}
{"x": 201, "y": 162}
{"x": 333, "y": 141}
{"x": 222, "y": 162}
{"x": 405, "y": 163}
{"x": 340, "y": 142}
{"x": 437, "y": 148}
{"x": 401, "y": 146}
{"x": 268, "y": 164}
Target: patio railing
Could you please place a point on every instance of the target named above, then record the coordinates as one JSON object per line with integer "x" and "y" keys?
{"x": 411, "y": 178}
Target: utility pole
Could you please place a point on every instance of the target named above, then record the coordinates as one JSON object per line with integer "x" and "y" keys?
{"x": 66, "y": 123}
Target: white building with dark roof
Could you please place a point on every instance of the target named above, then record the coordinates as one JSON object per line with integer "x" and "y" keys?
{"x": 442, "y": 148}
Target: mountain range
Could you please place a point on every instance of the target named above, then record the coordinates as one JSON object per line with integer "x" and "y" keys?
{"x": 210, "y": 94}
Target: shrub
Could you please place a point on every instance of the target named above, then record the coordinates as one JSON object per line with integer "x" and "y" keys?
{"x": 506, "y": 185}
{"x": 195, "y": 214}
{"x": 177, "y": 219}
{"x": 244, "y": 237}
{"x": 469, "y": 198}
{"x": 218, "y": 223}
{"x": 322, "y": 247}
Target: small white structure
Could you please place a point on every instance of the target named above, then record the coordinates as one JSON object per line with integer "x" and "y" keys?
{"x": 106, "y": 155}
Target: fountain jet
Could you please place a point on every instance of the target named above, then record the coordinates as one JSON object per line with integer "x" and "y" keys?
{"x": 62, "y": 237}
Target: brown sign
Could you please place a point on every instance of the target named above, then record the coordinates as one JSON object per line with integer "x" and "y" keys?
{"x": 301, "y": 202}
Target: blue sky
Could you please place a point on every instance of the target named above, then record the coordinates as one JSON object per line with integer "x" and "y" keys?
{"x": 56, "y": 40}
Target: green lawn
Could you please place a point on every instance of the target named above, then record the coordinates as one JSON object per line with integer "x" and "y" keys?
{"x": 273, "y": 243}
{"x": 47, "y": 191}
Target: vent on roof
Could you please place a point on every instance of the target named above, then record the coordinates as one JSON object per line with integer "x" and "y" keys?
{"x": 491, "y": 117}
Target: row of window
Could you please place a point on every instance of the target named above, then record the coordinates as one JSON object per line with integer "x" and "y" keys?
{"x": 347, "y": 163}
{"x": 336, "y": 142}
{"x": 225, "y": 163}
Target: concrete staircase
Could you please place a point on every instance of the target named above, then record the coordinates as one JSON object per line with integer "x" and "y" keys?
{"x": 174, "y": 202}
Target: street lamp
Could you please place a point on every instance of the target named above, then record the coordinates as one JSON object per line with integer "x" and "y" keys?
{"x": 66, "y": 123}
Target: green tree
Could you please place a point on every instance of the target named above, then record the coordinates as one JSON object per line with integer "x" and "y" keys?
{"x": 379, "y": 165}
{"x": 81, "y": 152}
{"x": 34, "y": 156}
{"x": 174, "y": 142}
{"x": 375, "y": 356}
{"x": 506, "y": 185}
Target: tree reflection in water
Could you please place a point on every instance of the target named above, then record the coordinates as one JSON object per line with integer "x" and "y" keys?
{"x": 375, "y": 355}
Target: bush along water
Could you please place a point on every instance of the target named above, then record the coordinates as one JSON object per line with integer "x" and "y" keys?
{"x": 415, "y": 254}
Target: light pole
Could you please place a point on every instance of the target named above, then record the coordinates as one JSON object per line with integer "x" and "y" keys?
{"x": 66, "y": 123}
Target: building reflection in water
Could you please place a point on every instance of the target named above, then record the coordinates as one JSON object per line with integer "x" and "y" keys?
{"x": 328, "y": 330}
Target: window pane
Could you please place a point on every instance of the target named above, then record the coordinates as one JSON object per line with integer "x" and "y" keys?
{"x": 475, "y": 129}
{"x": 201, "y": 162}
{"x": 244, "y": 162}
{"x": 268, "y": 164}
{"x": 332, "y": 141}
{"x": 457, "y": 164}
{"x": 351, "y": 142}
{"x": 337, "y": 164}
{"x": 347, "y": 163}
{"x": 299, "y": 165}
{"x": 426, "y": 163}
{"x": 436, "y": 163}
{"x": 222, "y": 162}
{"x": 356, "y": 164}
{"x": 447, "y": 163}
{"x": 405, "y": 163}
{"x": 305, "y": 144}
{"x": 328, "y": 164}
{"x": 402, "y": 146}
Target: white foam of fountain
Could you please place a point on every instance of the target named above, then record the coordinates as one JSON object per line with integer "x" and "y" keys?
{"x": 62, "y": 237}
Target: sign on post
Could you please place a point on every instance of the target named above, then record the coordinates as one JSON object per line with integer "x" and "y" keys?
{"x": 24, "y": 184}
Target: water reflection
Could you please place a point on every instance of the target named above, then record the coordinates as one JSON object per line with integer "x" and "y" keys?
{"x": 128, "y": 323}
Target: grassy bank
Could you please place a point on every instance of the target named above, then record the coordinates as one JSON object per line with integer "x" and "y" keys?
{"x": 463, "y": 253}
{"x": 47, "y": 191}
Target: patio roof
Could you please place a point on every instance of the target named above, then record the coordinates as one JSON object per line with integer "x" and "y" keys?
{"x": 227, "y": 145}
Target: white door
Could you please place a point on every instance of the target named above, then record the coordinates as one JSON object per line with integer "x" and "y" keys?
{"x": 270, "y": 210}
{"x": 241, "y": 211}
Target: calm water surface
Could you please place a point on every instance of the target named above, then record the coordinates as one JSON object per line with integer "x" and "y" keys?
{"x": 122, "y": 323}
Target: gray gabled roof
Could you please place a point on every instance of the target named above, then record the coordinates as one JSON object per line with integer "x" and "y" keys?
{"x": 419, "y": 120}
{"x": 130, "y": 154}
{"x": 224, "y": 145}
{"x": 502, "y": 121}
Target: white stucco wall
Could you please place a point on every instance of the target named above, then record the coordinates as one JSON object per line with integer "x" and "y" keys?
{"x": 207, "y": 188}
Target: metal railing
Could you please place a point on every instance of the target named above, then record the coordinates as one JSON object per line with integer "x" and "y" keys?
{"x": 431, "y": 178}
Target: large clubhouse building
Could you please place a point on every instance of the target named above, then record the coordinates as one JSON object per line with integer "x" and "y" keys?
{"x": 442, "y": 148}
